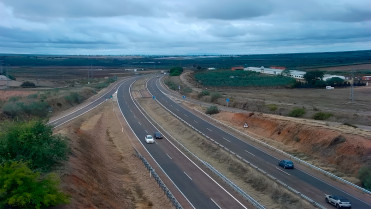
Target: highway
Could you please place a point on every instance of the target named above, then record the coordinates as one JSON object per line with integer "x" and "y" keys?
{"x": 295, "y": 178}
{"x": 199, "y": 189}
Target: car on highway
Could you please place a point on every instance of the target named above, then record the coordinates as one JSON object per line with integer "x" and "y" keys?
{"x": 338, "y": 201}
{"x": 149, "y": 139}
{"x": 157, "y": 135}
{"x": 286, "y": 164}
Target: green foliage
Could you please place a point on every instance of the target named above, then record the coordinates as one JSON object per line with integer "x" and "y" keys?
{"x": 312, "y": 76}
{"x": 11, "y": 77}
{"x": 176, "y": 71}
{"x": 14, "y": 99}
{"x": 203, "y": 93}
{"x": 272, "y": 107}
{"x": 322, "y": 115}
{"x": 215, "y": 96}
{"x": 171, "y": 85}
{"x": 335, "y": 81}
{"x": 74, "y": 98}
{"x": 28, "y": 84}
{"x": 241, "y": 78}
{"x": 20, "y": 109}
{"x": 32, "y": 142}
{"x": 319, "y": 83}
{"x": 212, "y": 110}
{"x": 297, "y": 112}
{"x": 22, "y": 188}
{"x": 364, "y": 174}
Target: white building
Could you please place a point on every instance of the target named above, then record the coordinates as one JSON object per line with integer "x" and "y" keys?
{"x": 264, "y": 70}
{"x": 297, "y": 74}
{"x": 328, "y": 76}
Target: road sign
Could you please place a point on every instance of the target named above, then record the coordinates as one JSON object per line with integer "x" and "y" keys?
{"x": 227, "y": 99}
{"x": 184, "y": 96}
{"x": 153, "y": 97}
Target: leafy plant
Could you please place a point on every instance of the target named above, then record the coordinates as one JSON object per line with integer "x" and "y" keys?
{"x": 297, "y": 112}
{"x": 215, "y": 96}
{"x": 203, "y": 93}
{"x": 364, "y": 174}
{"x": 176, "y": 71}
{"x": 32, "y": 142}
{"x": 74, "y": 98}
{"x": 322, "y": 115}
{"x": 28, "y": 84}
{"x": 212, "y": 110}
{"x": 272, "y": 107}
{"x": 171, "y": 85}
{"x": 20, "y": 187}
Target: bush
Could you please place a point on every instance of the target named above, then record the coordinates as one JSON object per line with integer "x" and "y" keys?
{"x": 20, "y": 109}
{"x": 322, "y": 115}
{"x": 364, "y": 174}
{"x": 176, "y": 71}
{"x": 297, "y": 112}
{"x": 203, "y": 93}
{"x": 32, "y": 96}
{"x": 215, "y": 96}
{"x": 74, "y": 98}
{"x": 212, "y": 110}
{"x": 272, "y": 107}
{"x": 171, "y": 85}
{"x": 28, "y": 84}
{"x": 32, "y": 142}
{"x": 22, "y": 188}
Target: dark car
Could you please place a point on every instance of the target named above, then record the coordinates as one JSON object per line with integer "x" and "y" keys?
{"x": 157, "y": 135}
{"x": 286, "y": 164}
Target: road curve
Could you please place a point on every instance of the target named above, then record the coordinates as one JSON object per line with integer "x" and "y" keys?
{"x": 199, "y": 188}
{"x": 296, "y": 178}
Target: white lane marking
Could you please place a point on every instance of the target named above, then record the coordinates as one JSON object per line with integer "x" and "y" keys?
{"x": 249, "y": 153}
{"x": 283, "y": 171}
{"x": 139, "y": 123}
{"x": 226, "y": 139}
{"x": 177, "y": 109}
{"x": 187, "y": 175}
{"x": 186, "y": 115}
{"x": 215, "y": 203}
{"x": 169, "y": 156}
{"x": 208, "y": 129}
{"x": 195, "y": 121}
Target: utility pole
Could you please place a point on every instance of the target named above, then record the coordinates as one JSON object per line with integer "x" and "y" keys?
{"x": 351, "y": 88}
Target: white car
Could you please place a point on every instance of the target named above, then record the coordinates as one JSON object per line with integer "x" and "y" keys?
{"x": 338, "y": 201}
{"x": 149, "y": 139}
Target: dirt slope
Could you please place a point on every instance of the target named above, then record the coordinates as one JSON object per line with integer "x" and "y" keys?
{"x": 102, "y": 171}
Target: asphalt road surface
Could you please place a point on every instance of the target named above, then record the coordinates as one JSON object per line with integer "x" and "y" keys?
{"x": 199, "y": 189}
{"x": 303, "y": 182}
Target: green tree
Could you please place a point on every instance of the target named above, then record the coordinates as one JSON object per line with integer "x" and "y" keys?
{"x": 335, "y": 81}
{"x": 20, "y": 187}
{"x": 297, "y": 112}
{"x": 312, "y": 76}
{"x": 28, "y": 84}
{"x": 212, "y": 110}
{"x": 176, "y": 71}
{"x": 32, "y": 142}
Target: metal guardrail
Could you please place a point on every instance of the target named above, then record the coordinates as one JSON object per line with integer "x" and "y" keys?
{"x": 171, "y": 197}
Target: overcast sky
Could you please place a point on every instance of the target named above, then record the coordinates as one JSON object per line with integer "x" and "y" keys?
{"x": 181, "y": 27}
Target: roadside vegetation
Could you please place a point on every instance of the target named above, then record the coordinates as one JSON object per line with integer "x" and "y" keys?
{"x": 364, "y": 174}
{"x": 29, "y": 152}
{"x": 212, "y": 110}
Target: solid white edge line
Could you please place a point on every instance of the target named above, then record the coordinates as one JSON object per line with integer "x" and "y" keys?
{"x": 169, "y": 156}
{"x": 250, "y": 153}
{"x": 283, "y": 171}
{"x": 148, "y": 151}
{"x": 194, "y": 162}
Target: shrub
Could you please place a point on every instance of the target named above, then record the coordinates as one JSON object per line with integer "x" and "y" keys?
{"x": 33, "y": 142}
{"x": 297, "y": 112}
{"x": 74, "y": 98}
{"x": 322, "y": 115}
{"x": 32, "y": 96}
{"x": 215, "y": 96}
{"x": 14, "y": 99}
{"x": 171, "y": 85}
{"x": 19, "y": 109}
{"x": 364, "y": 174}
{"x": 13, "y": 109}
{"x": 176, "y": 71}
{"x": 203, "y": 93}
{"x": 28, "y": 84}
{"x": 272, "y": 107}
{"x": 212, "y": 110}
{"x": 22, "y": 188}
